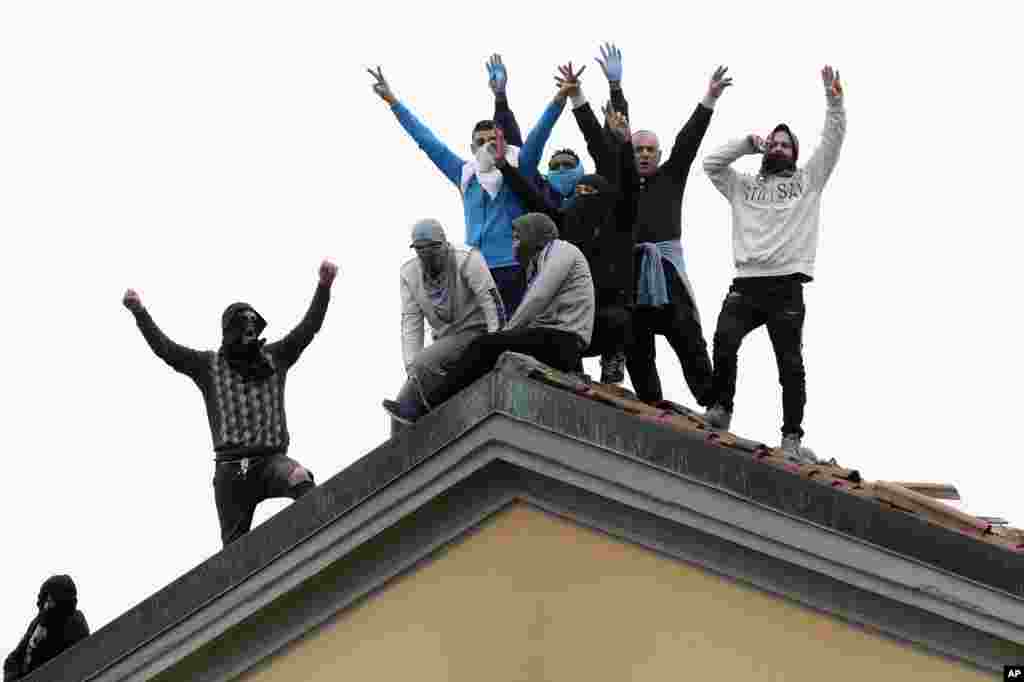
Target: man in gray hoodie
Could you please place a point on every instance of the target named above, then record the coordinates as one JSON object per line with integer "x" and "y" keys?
{"x": 554, "y": 322}
{"x": 775, "y": 223}
{"x": 454, "y": 291}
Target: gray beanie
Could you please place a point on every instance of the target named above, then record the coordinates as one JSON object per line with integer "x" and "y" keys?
{"x": 535, "y": 230}
{"x": 428, "y": 230}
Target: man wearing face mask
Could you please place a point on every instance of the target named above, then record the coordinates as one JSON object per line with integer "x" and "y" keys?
{"x": 665, "y": 303}
{"x": 243, "y": 387}
{"x": 553, "y": 324}
{"x": 454, "y": 291}
{"x": 775, "y": 223}
{"x": 488, "y": 210}
{"x": 58, "y": 626}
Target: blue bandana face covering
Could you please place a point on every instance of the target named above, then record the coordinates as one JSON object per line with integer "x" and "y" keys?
{"x": 564, "y": 181}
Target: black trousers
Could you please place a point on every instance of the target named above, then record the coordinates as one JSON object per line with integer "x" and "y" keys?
{"x": 238, "y": 488}
{"x": 613, "y": 324}
{"x": 679, "y": 324}
{"x": 558, "y": 349}
{"x": 778, "y": 303}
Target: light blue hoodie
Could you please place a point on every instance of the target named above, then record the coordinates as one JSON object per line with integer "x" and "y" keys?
{"x": 488, "y": 221}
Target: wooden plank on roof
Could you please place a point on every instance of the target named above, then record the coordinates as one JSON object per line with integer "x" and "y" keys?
{"x": 936, "y": 491}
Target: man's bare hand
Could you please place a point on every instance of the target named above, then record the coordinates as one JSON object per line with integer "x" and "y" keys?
{"x": 132, "y": 301}
{"x": 328, "y": 271}
{"x": 616, "y": 122}
{"x": 757, "y": 143}
{"x": 830, "y": 79}
{"x": 719, "y": 82}
{"x": 500, "y": 148}
{"x": 381, "y": 86}
{"x": 568, "y": 81}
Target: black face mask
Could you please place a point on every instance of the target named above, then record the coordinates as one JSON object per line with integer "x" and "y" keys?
{"x": 587, "y": 218}
{"x": 775, "y": 165}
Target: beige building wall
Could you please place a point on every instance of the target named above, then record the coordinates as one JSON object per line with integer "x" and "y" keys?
{"x": 532, "y": 597}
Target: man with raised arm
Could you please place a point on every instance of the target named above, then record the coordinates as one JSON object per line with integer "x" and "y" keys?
{"x": 665, "y": 303}
{"x": 553, "y": 324}
{"x": 488, "y": 209}
{"x": 243, "y": 385}
{"x": 453, "y": 290}
{"x": 775, "y": 223}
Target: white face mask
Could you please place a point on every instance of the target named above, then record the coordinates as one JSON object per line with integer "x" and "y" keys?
{"x": 485, "y": 158}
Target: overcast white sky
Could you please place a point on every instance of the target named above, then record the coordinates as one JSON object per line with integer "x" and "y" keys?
{"x": 205, "y": 152}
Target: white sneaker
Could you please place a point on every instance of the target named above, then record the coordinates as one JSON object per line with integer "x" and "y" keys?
{"x": 718, "y": 417}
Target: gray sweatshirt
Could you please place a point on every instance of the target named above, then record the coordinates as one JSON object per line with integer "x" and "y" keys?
{"x": 474, "y": 302}
{"x": 775, "y": 219}
{"x": 560, "y": 293}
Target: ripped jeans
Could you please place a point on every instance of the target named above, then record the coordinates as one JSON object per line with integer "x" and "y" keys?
{"x": 778, "y": 303}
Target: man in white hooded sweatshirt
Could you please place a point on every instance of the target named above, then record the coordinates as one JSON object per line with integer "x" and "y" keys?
{"x": 775, "y": 223}
{"x": 452, "y": 289}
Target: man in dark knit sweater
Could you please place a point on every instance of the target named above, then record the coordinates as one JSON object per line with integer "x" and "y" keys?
{"x": 58, "y": 626}
{"x": 243, "y": 386}
{"x": 665, "y": 303}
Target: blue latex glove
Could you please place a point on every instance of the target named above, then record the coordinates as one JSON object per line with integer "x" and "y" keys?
{"x": 497, "y": 74}
{"x": 611, "y": 62}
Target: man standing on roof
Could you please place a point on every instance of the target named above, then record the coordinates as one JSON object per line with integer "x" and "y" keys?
{"x": 554, "y": 323}
{"x": 243, "y": 386}
{"x": 665, "y": 303}
{"x": 453, "y": 290}
{"x": 775, "y": 223}
{"x": 58, "y": 626}
{"x": 489, "y": 211}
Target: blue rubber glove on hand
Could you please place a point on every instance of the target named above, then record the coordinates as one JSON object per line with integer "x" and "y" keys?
{"x": 497, "y": 74}
{"x": 611, "y": 62}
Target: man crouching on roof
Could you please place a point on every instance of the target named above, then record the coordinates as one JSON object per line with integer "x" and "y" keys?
{"x": 453, "y": 289}
{"x": 553, "y": 323}
{"x": 243, "y": 386}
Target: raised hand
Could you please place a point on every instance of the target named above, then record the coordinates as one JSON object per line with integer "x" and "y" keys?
{"x": 719, "y": 82}
{"x": 568, "y": 81}
{"x": 381, "y": 86}
{"x": 328, "y": 271}
{"x": 132, "y": 301}
{"x": 830, "y": 79}
{"x": 617, "y": 122}
{"x": 500, "y": 148}
{"x": 611, "y": 62}
{"x": 497, "y": 75}
{"x": 757, "y": 143}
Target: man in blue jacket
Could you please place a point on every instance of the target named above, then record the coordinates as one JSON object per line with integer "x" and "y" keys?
{"x": 488, "y": 206}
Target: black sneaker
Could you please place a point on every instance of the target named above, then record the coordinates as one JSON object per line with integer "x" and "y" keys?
{"x": 613, "y": 368}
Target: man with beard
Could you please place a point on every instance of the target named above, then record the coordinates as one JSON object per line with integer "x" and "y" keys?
{"x": 565, "y": 167}
{"x": 488, "y": 210}
{"x": 775, "y": 223}
{"x": 665, "y": 303}
{"x": 243, "y": 386}
{"x": 553, "y": 324}
{"x": 453, "y": 289}
{"x": 599, "y": 222}
{"x": 58, "y": 626}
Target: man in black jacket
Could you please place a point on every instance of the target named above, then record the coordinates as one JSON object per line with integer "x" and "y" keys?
{"x": 665, "y": 303}
{"x": 243, "y": 386}
{"x": 58, "y": 626}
